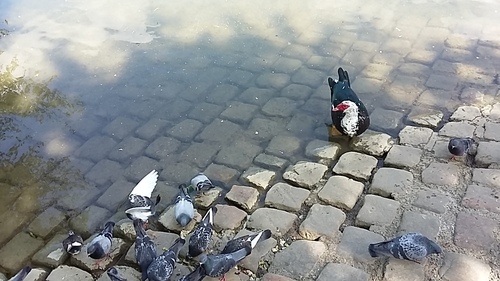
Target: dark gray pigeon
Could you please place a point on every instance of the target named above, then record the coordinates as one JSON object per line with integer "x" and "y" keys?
{"x": 410, "y": 246}
{"x": 463, "y": 147}
{"x": 114, "y": 275}
{"x": 202, "y": 235}
{"x": 143, "y": 212}
{"x": 196, "y": 275}
{"x": 240, "y": 242}
{"x": 145, "y": 250}
{"x": 21, "y": 274}
{"x": 163, "y": 265}
{"x": 218, "y": 265}
{"x": 73, "y": 243}
{"x": 184, "y": 210}
{"x": 100, "y": 246}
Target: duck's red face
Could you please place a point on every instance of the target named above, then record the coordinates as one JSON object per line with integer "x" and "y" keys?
{"x": 341, "y": 107}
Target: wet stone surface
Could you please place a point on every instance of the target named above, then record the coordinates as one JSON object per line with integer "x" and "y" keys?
{"x": 356, "y": 165}
{"x": 305, "y": 174}
{"x": 286, "y": 197}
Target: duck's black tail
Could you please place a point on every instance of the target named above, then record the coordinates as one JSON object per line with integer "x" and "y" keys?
{"x": 344, "y": 76}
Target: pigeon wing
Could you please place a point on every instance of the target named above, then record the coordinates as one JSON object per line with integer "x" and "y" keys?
{"x": 146, "y": 186}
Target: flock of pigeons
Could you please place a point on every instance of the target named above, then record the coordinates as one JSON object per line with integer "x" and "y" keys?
{"x": 349, "y": 116}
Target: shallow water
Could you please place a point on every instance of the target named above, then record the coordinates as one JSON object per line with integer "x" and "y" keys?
{"x": 131, "y": 71}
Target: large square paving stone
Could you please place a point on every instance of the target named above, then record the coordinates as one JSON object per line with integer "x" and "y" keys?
{"x": 219, "y": 131}
{"x": 239, "y": 154}
{"x": 315, "y": 226}
{"x": 403, "y": 156}
{"x": 286, "y": 197}
{"x": 46, "y": 222}
{"x": 377, "y": 210}
{"x": 96, "y": 148}
{"x": 356, "y": 165}
{"x": 341, "y": 192}
{"x": 305, "y": 174}
{"x": 441, "y": 174}
{"x": 354, "y": 244}
{"x": 390, "y": 181}
{"x": 460, "y": 267}
{"x": 298, "y": 259}
{"x": 278, "y": 221}
{"x": 15, "y": 254}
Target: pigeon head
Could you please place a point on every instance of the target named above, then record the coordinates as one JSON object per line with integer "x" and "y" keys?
{"x": 114, "y": 275}
{"x": 71, "y": 232}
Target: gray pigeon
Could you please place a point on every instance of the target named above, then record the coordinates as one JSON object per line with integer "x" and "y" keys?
{"x": 201, "y": 182}
{"x": 73, "y": 243}
{"x": 196, "y": 275}
{"x": 218, "y": 265}
{"x": 114, "y": 275}
{"x": 145, "y": 250}
{"x": 163, "y": 265}
{"x": 21, "y": 274}
{"x": 184, "y": 210}
{"x": 240, "y": 242}
{"x": 463, "y": 147}
{"x": 202, "y": 235}
{"x": 143, "y": 212}
{"x": 100, "y": 246}
{"x": 410, "y": 246}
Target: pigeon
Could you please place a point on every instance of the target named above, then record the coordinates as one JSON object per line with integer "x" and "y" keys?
{"x": 201, "y": 182}
{"x": 349, "y": 115}
{"x": 73, "y": 243}
{"x": 21, "y": 274}
{"x": 139, "y": 196}
{"x": 196, "y": 275}
{"x": 463, "y": 146}
{"x": 100, "y": 246}
{"x": 163, "y": 265}
{"x": 202, "y": 235}
{"x": 114, "y": 275}
{"x": 143, "y": 212}
{"x": 218, "y": 265}
{"x": 240, "y": 242}
{"x": 145, "y": 250}
{"x": 184, "y": 210}
{"x": 410, "y": 246}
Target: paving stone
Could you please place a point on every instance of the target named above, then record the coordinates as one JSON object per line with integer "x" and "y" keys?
{"x": 314, "y": 225}
{"x": 228, "y": 217}
{"x": 341, "y": 192}
{"x": 475, "y": 232}
{"x": 256, "y": 96}
{"x": 205, "y": 112}
{"x": 372, "y": 143}
{"x": 465, "y": 113}
{"x": 174, "y": 110}
{"x": 221, "y": 173}
{"x": 440, "y": 149}
{"x": 162, "y": 147}
{"x": 128, "y": 149}
{"x": 480, "y": 197}
{"x": 270, "y": 161}
{"x": 377, "y": 210}
{"x": 425, "y": 117}
{"x": 426, "y": 224}
{"x": 487, "y": 153}
{"x": 115, "y": 195}
{"x": 305, "y": 174}
{"x": 238, "y": 112}
{"x": 162, "y": 241}
{"x": 314, "y": 105}
{"x": 64, "y": 272}
{"x": 96, "y": 148}
{"x": 344, "y": 272}
{"x": 167, "y": 220}
{"x": 120, "y": 127}
{"x": 460, "y": 267}
{"x": 199, "y": 154}
{"x": 223, "y": 93}
{"x": 488, "y": 177}
{"x": 286, "y": 65}
{"x": 432, "y": 200}
{"x": 77, "y": 197}
{"x": 403, "y": 156}
{"x": 124, "y": 229}
{"x": 365, "y": 86}
{"x": 355, "y": 164}
{"x": 415, "y": 70}
{"x": 323, "y": 150}
{"x": 185, "y": 130}
{"x": 152, "y": 128}
{"x": 273, "y": 80}
{"x": 457, "y": 130}
{"x": 416, "y": 136}
{"x": 309, "y": 77}
{"x": 280, "y": 107}
{"x": 264, "y": 129}
{"x": 36, "y": 274}
{"x": 140, "y": 167}
{"x": 239, "y": 154}
{"x": 17, "y": 252}
{"x": 89, "y": 221}
{"x": 179, "y": 173}
{"x": 104, "y": 172}
{"x": 441, "y": 174}
{"x": 387, "y": 58}
{"x": 443, "y": 82}
{"x": 492, "y": 131}
{"x": 385, "y": 119}
{"x": 296, "y": 92}
{"x": 356, "y": 58}
{"x": 283, "y": 146}
{"x": 46, "y": 222}
{"x": 125, "y": 272}
{"x": 298, "y": 259}
{"x": 301, "y": 124}
{"x": 275, "y": 277}
{"x": 205, "y": 199}
{"x": 397, "y": 270}
{"x": 278, "y": 221}
{"x": 388, "y": 182}
{"x": 422, "y": 56}
{"x": 219, "y": 131}
{"x": 118, "y": 248}
{"x": 243, "y": 196}
{"x": 396, "y": 45}
{"x": 354, "y": 243}
{"x": 377, "y": 71}
{"x": 286, "y": 197}
{"x": 52, "y": 254}
{"x": 493, "y": 112}
{"x": 258, "y": 177}
{"x": 261, "y": 249}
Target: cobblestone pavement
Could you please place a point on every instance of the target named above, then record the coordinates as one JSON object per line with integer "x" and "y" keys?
{"x": 242, "y": 96}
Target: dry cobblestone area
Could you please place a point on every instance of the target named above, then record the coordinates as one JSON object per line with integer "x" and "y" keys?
{"x": 256, "y": 123}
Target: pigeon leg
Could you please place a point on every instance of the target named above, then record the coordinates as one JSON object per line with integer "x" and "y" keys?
{"x": 223, "y": 278}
